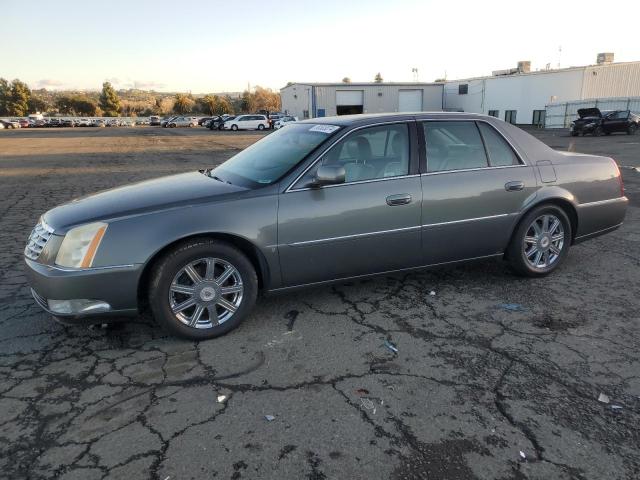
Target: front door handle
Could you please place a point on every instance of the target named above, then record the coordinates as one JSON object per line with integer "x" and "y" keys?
{"x": 399, "y": 199}
{"x": 514, "y": 186}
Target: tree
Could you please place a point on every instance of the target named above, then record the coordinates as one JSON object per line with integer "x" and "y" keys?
{"x": 223, "y": 105}
{"x": 183, "y": 103}
{"x": 346, "y": 80}
{"x": 38, "y": 103}
{"x": 5, "y": 91}
{"x": 207, "y": 104}
{"x": 76, "y": 105}
{"x": 109, "y": 101}
{"x": 19, "y": 96}
{"x": 378, "y": 78}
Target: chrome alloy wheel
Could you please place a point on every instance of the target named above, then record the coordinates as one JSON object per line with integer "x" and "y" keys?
{"x": 543, "y": 241}
{"x": 206, "y": 293}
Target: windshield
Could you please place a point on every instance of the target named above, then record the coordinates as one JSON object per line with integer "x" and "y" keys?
{"x": 267, "y": 160}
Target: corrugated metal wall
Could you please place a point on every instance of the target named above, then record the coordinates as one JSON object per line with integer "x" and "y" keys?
{"x": 560, "y": 115}
{"x": 616, "y": 80}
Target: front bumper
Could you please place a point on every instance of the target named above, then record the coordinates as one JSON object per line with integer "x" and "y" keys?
{"x": 115, "y": 286}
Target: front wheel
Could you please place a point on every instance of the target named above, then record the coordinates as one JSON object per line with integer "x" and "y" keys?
{"x": 202, "y": 289}
{"x": 234, "y": 127}
{"x": 633, "y": 128}
{"x": 261, "y": 127}
{"x": 540, "y": 242}
{"x": 597, "y": 131}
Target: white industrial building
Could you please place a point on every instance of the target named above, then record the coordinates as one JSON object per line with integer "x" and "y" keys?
{"x": 309, "y": 100}
{"x": 516, "y": 95}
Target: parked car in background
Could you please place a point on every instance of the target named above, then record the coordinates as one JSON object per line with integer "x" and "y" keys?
{"x": 217, "y": 123}
{"x": 183, "y": 122}
{"x": 67, "y": 122}
{"x": 24, "y": 123}
{"x": 323, "y": 200}
{"x": 98, "y": 122}
{"x": 284, "y": 120}
{"x": 154, "y": 120}
{"x": 165, "y": 121}
{"x": 2, "y": 127}
{"x": 596, "y": 122}
{"x": 126, "y": 123}
{"x": 11, "y": 123}
{"x": 247, "y": 122}
{"x": 40, "y": 123}
{"x": 83, "y": 122}
{"x": 202, "y": 120}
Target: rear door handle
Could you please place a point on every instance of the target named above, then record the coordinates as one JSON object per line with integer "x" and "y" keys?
{"x": 514, "y": 186}
{"x": 399, "y": 199}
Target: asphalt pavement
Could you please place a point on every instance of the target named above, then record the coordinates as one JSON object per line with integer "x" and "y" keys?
{"x": 494, "y": 377}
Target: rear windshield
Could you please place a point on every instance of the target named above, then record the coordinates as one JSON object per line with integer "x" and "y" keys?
{"x": 267, "y": 160}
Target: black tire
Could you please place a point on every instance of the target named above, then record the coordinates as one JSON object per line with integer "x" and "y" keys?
{"x": 234, "y": 128}
{"x": 516, "y": 251}
{"x": 597, "y": 131}
{"x": 632, "y": 129}
{"x": 260, "y": 127}
{"x": 164, "y": 271}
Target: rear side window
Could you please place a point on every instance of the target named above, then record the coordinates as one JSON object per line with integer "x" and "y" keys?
{"x": 453, "y": 146}
{"x": 500, "y": 153}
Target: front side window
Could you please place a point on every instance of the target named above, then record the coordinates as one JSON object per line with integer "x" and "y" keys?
{"x": 453, "y": 146}
{"x": 369, "y": 154}
{"x": 621, "y": 115}
{"x": 500, "y": 153}
{"x": 267, "y": 160}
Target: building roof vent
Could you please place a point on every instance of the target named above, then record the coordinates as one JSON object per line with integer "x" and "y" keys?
{"x": 604, "y": 58}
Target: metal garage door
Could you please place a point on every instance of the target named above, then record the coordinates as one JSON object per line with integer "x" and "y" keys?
{"x": 410, "y": 101}
{"x": 350, "y": 97}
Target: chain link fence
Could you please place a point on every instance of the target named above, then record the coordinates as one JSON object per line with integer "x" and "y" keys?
{"x": 560, "y": 115}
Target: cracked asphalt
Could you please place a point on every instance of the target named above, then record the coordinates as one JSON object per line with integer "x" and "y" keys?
{"x": 475, "y": 391}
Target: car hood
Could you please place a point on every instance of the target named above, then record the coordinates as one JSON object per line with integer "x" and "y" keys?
{"x": 163, "y": 193}
{"x": 589, "y": 113}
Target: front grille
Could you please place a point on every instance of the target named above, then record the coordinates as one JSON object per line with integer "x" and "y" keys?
{"x": 37, "y": 240}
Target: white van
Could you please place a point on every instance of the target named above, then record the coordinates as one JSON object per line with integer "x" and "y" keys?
{"x": 247, "y": 122}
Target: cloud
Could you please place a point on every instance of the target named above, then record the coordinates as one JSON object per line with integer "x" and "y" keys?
{"x": 148, "y": 85}
{"x": 49, "y": 83}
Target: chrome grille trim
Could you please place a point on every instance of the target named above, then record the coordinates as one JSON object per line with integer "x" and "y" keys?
{"x": 38, "y": 239}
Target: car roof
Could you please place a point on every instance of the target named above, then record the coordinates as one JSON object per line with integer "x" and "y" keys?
{"x": 363, "y": 119}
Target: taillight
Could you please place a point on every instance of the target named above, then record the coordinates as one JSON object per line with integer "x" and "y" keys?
{"x": 615, "y": 164}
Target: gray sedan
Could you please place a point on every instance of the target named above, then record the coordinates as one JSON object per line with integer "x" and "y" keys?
{"x": 320, "y": 201}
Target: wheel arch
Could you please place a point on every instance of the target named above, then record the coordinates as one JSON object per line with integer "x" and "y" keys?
{"x": 252, "y": 252}
{"x": 559, "y": 201}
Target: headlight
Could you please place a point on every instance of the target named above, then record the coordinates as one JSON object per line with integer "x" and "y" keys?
{"x": 80, "y": 245}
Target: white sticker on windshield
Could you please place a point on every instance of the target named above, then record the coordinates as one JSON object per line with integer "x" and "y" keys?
{"x": 324, "y": 128}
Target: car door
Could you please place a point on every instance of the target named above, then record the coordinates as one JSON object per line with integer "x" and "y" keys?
{"x": 620, "y": 121}
{"x": 368, "y": 224}
{"x": 474, "y": 186}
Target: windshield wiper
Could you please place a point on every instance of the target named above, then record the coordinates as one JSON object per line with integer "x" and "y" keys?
{"x": 208, "y": 172}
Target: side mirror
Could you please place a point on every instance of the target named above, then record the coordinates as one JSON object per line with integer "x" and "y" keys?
{"x": 329, "y": 175}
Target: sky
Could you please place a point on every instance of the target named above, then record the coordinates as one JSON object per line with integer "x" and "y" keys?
{"x": 217, "y": 46}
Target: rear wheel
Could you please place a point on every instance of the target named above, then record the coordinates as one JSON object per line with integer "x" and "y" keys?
{"x": 597, "y": 131}
{"x": 202, "y": 289}
{"x": 261, "y": 127}
{"x": 541, "y": 241}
